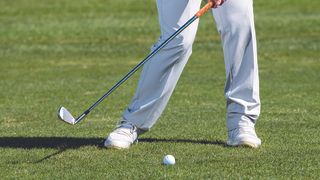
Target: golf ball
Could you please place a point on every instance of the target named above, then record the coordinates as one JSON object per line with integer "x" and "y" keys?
{"x": 169, "y": 160}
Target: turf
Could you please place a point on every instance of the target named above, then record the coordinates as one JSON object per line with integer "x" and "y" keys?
{"x": 69, "y": 53}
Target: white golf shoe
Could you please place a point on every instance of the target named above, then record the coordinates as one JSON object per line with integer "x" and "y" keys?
{"x": 243, "y": 137}
{"x": 122, "y": 137}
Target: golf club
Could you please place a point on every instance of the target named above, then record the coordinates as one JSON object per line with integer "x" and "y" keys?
{"x": 67, "y": 117}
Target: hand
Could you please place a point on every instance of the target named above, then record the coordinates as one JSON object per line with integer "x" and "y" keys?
{"x": 217, "y": 3}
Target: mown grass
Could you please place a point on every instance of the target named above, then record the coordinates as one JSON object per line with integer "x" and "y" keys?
{"x": 69, "y": 53}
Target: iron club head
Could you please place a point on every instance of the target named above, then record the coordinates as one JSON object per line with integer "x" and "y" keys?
{"x": 66, "y": 116}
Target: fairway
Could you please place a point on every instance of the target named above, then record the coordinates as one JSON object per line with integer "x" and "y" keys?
{"x": 70, "y": 53}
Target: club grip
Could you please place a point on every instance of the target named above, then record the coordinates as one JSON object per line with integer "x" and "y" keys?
{"x": 205, "y": 8}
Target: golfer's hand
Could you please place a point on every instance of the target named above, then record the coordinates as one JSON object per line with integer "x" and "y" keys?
{"x": 217, "y": 3}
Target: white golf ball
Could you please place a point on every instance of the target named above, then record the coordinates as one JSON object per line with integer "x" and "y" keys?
{"x": 169, "y": 160}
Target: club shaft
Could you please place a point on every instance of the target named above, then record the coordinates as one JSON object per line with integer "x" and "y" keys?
{"x": 137, "y": 67}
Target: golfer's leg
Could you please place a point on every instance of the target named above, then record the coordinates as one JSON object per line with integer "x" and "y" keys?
{"x": 160, "y": 75}
{"x": 236, "y": 25}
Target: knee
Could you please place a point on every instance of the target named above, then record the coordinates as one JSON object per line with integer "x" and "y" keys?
{"x": 180, "y": 44}
{"x": 183, "y": 43}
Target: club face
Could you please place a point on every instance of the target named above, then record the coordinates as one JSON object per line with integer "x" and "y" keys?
{"x": 66, "y": 116}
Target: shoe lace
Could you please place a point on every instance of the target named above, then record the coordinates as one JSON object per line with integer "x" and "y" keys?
{"x": 127, "y": 125}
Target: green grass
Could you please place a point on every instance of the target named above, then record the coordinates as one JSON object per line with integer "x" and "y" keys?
{"x": 69, "y": 53}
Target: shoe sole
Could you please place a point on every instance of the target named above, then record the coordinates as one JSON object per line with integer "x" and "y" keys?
{"x": 244, "y": 144}
{"x": 116, "y": 145}
{"x": 249, "y": 144}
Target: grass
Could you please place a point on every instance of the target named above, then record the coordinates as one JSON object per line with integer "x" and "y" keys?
{"x": 69, "y": 53}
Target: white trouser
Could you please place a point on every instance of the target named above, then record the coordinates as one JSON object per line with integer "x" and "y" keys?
{"x": 159, "y": 76}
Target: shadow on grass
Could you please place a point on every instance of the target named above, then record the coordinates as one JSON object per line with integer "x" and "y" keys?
{"x": 60, "y": 143}
{"x": 64, "y": 143}
{"x": 77, "y": 142}
{"x": 48, "y": 142}
{"x": 155, "y": 140}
